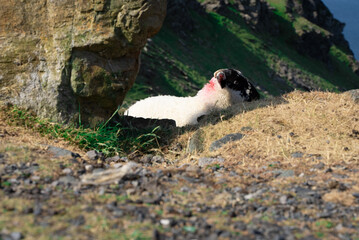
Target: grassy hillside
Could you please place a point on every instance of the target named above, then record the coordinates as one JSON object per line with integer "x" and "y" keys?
{"x": 179, "y": 64}
{"x": 293, "y": 175}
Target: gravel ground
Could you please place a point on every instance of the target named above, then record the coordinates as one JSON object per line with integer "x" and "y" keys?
{"x": 146, "y": 200}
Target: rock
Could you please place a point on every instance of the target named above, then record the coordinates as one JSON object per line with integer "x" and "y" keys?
{"x": 71, "y": 60}
{"x": 208, "y": 161}
{"x": 195, "y": 143}
{"x": 246, "y": 129}
{"x": 60, "y": 152}
{"x": 158, "y": 159}
{"x": 67, "y": 171}
{"x": 68, "y": 180}
{"x": 354, "y": 94}
{"x": 94, "y": 155}
{"x": 88, "y": 167}
{"x": 165, "y": 222}
{"x": 283, "y": 173}
{"x": 16, "y": 236}
{"x": 146, "y": 159}
{"x": 297, "y": 155}
{"x": 110, "y": 175}
{"x": 113, "y": 159}
{"x": 283, "y": 199}
{"x": 228, "y": 138}
{"x": 254, "y": 195}
{"x": 319, "y": 165}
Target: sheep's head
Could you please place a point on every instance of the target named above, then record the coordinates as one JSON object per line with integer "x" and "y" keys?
{"x": 236, "y": 81}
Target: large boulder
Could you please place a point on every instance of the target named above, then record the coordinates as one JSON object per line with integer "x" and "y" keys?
{"x": 73, "y": 58}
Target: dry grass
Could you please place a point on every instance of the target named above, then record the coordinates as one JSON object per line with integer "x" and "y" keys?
{"x": 315, "y": 124}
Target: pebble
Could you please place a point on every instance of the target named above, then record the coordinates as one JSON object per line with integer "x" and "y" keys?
{"x": 94, "y": 155}
{"x": 67, "y": 171}
{"x": 297, "y": 155}
{"x": 113, "y": 159}
{"x": 67, "y": 180}
{"x": 228, "y": 138}
{"x": 60, "y": 152}
{"x": 195, "y": 143}
{"x": 147, "y": 159}
{"x": 165, "y": 222}
{"x": 88, "y": 167}
{"x": 158, "y": 159}
{"x": 283, "y": 199}
{"x": 202, "y": 162}
{"x": 319, "y": 166}
{"x": 283, "y": 173}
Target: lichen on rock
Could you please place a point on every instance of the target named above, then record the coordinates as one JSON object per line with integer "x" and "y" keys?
{"x": 65, "y": 59}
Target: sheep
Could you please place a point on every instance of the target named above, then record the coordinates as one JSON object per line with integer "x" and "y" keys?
{"x": 227, "y": 87}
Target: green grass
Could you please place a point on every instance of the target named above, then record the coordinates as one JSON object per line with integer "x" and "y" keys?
{"x": 107, "y": 138}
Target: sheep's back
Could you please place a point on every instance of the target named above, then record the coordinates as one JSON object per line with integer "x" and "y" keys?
{"x": 184, "y": 110}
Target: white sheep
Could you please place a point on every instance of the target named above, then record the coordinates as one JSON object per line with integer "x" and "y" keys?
{"x": 227, "y": 87}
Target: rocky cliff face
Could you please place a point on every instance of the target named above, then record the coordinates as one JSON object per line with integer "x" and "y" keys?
{"x": 65, "y": 58}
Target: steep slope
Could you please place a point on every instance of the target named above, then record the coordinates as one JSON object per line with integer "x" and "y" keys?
{"x": 280, "y": 45}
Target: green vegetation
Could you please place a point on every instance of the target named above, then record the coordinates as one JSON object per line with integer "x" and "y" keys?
{"x": 107, "y": 138}
{"x": 182, "y": 63}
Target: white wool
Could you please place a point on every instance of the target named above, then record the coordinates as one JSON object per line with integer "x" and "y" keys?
{"x": 184, "y": 110}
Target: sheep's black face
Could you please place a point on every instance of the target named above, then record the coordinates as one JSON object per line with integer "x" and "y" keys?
{"x": 236, "y": 81}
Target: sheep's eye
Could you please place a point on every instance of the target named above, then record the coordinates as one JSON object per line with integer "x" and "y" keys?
{"x": 220, "y": 76}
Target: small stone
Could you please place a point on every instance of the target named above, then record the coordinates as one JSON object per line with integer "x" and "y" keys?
{"x": 88, "y": 168}
{"x": 147, "y": 159}
{"x": 158, "y": 159}
{"x": 94, "y": 155}
{"x": 16, "y": 236}
{"x": 195, "y": 143}
{"x": 283, "y": 173}
{"x": 228, "y": 138}
{"x": 283, "y": 199}
{"x": 60, "y": 152}
{"x": 165, "y": 222}
{"x": 101, "y": 191}
{"x": 246, "y": 129}
{"x": 297, "y": 155}
{"x": 113, "y": 159}
{"x": 319, "y": 165}
{"x": 356, "y": 195}
{"x": 207, "y": 161}
{"x": 67, "y": 171}
{"x": 254, "y": 195}
{"x": 67, "y": 180}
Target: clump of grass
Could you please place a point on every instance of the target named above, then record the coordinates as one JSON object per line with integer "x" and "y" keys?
{"x": 107, "y": 138}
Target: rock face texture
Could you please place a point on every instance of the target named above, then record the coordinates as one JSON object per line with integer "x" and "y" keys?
{"x": 71, "y": 58}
